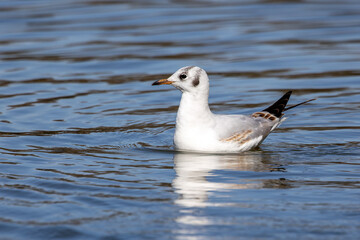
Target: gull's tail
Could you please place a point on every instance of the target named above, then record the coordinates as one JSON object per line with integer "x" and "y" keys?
{"x": 278, "y": 107}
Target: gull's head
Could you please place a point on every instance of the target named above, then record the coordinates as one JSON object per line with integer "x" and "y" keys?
{"x": 188, "y": 79}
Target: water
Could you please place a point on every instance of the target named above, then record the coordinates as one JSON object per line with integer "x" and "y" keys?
{"x": 86, "y": 141}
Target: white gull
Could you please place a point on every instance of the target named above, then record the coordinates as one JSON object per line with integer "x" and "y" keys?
{"x": 200, "y": 130}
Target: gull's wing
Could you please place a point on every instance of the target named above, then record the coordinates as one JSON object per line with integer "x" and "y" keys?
{"x": 253, "y": 129}
{"x": 241, "y": 128}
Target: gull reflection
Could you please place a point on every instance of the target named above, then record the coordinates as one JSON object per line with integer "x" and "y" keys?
{"x": 194, "y": 170}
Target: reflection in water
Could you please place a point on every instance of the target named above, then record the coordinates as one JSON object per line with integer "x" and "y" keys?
{"x": 193, "y": 170}
{"x": 200, "y": 176}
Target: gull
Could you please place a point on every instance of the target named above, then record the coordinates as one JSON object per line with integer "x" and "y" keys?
{"x": 199, "y": 130}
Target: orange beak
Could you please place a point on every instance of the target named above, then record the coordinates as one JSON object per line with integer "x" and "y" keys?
{"x": 162, "y": 82}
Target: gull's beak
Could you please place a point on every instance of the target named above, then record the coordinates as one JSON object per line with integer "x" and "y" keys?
{"x": 162, "y": 82}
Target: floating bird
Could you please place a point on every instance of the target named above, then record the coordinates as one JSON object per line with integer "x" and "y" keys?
{"x": 200, "y": 130}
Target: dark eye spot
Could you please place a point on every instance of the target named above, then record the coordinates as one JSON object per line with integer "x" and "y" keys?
{"x": 182, "y": 76}
{"x": 196, "y": 82}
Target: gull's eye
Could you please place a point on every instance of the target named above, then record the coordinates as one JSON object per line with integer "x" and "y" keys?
{"x": 182, "y": 76}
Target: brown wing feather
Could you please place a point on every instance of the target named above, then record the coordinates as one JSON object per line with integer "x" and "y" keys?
{"x": 238, "y": 137}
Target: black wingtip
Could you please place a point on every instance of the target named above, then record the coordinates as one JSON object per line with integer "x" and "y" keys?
{"x": 296, "y": 105}
{"x": 278, "y": 107}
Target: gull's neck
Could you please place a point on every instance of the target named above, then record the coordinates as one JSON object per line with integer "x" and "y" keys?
{"x": 194, "y": 109}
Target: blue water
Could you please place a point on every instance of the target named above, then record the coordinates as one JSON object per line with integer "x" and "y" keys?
{"x": 86, "y": 146}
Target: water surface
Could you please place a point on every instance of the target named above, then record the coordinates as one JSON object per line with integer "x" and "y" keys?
{"x": 86, "y": 142}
